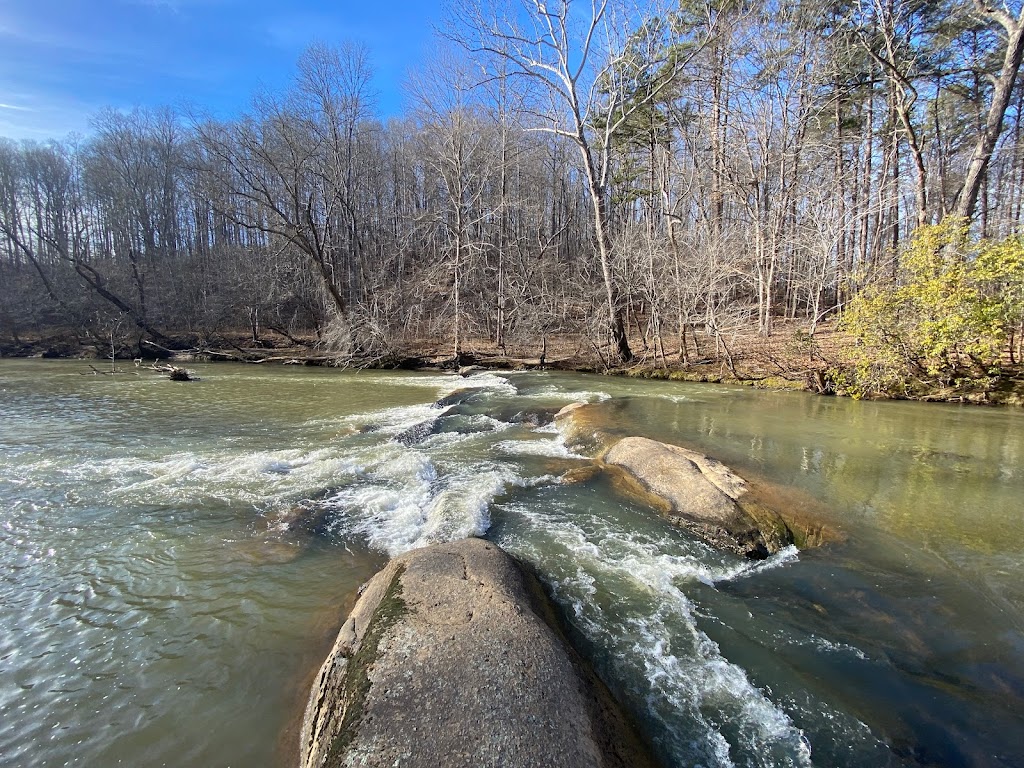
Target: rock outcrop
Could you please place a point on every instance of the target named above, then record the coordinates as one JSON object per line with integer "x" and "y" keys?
{"x": 702, "y": 495}
{"x": 696, "y": 492}
{"x": 451, "y": 657}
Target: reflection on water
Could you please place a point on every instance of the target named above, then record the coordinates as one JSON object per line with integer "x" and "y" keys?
{"x": 172, "y": 555}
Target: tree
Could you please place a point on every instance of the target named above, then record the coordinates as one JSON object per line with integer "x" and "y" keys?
{"x": 890, "y": 41}
{"x": 956, "y": 306}
{"x": 457, "y": 145}
{"x": 289, "y": 169}
{"x": 48, "y": 221}
{"x": 1002, "y": 92}
{"x": 581, "y": 60}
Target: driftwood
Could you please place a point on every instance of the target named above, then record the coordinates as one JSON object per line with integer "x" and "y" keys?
{"x": 199, "y": 352}
{"x": 293, "y": 360}
{"x": 174, "y": 373}
{"x": 97, "y": 372}
{"x": 244, "y": 356}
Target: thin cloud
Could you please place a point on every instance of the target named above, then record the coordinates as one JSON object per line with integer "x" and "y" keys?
{"x": 177, "y": 6}
{"x": 55, "y": 72}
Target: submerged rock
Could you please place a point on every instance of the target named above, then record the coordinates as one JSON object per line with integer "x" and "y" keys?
{"x": 568, "y": 409}
{"x": 476, "y": 402}
{"x": 456, "y": 398}
{"x": 417, "y": 433}
{"x": 584, "y": 427}
{"x": 702, "y": 495}
{"x": 452, "y": 657}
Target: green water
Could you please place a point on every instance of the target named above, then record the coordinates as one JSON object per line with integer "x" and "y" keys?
{"x": 174, "y": 559}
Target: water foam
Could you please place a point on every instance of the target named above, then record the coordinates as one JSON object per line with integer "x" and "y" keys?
{"x": 445, "y": 383}
{"x": 403, "y": 502}
{"x": 393, "y": 421}
{"x": 581, "y": 396}
{"x": 486, "y": 380}
{"x": 829, "y": 646}
{"x": 260, "y": 477}
{"x": 551, "y": 447}
{"x": 676, "y": 398}
{"x": 411, "y": 493}
{"x": 783, "y": 557}
{"x": 481, "y": 422}
{"x": 688, "y": 680}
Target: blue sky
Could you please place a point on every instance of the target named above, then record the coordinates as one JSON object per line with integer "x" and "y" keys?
{"x": 63, "y": 60}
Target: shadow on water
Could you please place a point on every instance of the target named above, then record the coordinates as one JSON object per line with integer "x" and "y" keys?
{"x": 908, "y": 653}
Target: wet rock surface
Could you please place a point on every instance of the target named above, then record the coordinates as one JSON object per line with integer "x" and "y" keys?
{"x": 452, "y": 657}
{"x": 702, "y": 494}
{"x": 695, "y": 491}
{"x": 585, "y": 427}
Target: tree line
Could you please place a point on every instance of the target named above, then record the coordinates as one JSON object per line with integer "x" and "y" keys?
{"x": 640, "y": 177}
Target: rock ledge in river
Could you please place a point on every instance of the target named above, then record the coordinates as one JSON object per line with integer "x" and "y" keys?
{"x": 583, "y": 427}
{"x": 451, "y": 658}
{"x": 702, "y": 495}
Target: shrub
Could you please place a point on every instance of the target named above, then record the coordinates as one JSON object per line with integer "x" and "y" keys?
{"x": 955, "y": 305}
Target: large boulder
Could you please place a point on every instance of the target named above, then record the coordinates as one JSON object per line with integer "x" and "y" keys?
{"x": 451, "y": 657}
{"x": 702, "y": 495}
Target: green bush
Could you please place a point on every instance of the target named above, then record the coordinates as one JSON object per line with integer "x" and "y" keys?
{"x": 955, "y": 306}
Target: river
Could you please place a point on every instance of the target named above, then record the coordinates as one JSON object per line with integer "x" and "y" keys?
{"x": 175, "y": 558}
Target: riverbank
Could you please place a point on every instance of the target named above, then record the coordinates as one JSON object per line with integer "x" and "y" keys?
{"x": 790, "y": 359}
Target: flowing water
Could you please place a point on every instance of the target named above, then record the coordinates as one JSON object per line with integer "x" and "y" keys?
{"x": 174, "y": 559}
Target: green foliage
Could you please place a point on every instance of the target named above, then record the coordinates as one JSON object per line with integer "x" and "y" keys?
{"x": 945, "y": 321}
{"x": 1000, "y": 267}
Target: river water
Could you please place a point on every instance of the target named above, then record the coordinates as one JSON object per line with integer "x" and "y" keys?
{"x": 175, "y": 558}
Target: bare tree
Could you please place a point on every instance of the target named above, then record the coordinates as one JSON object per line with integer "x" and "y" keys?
{"x": 977, "y": 167}
{"x": 890, "y": 48}
{"x": 49, "y": 224}
{"x": 592, "y": 65}
{"x": 458, "y": 149}
{"x": 290, "y": 171}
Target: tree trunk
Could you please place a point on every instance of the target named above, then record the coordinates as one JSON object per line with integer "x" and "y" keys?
{"x": 598, "y": 195}
{"x": 967, "y": 199}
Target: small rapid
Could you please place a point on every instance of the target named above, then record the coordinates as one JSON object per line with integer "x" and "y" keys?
{"x": 626, "y": 594}
{"x": 428, "y": 483}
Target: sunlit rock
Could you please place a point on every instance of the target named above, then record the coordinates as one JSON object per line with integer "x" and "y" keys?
{"x": 695, "y": 491}
{"x": 452, "y": 657}
{"x": 702, "y": 495}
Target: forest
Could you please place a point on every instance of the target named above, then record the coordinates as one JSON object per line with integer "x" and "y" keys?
{"x": 645, "y": 180}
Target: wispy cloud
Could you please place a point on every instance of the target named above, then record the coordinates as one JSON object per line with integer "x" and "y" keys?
{"x": 59, "y": 67}
{"x": 57, "y": 41}
{"x": 55, "y": 119}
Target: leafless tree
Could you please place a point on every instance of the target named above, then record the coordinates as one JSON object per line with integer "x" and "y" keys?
{"x": 592, "y": 65}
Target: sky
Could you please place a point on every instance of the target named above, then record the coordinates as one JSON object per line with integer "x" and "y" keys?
{"x": 61, "y": 61}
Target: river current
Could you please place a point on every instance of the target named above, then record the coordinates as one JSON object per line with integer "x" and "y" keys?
{"x": 176, "y": 557}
